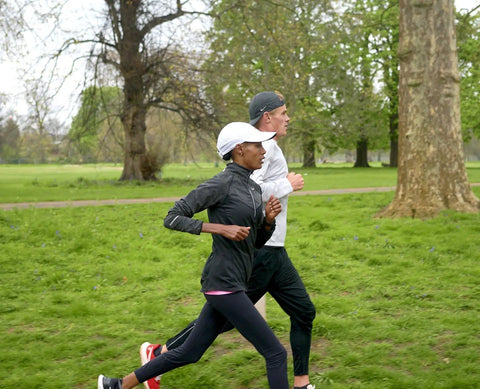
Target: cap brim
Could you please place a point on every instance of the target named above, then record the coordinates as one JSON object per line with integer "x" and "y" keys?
{"x": 255, "y": 120}
{"x": 262, "y": 136}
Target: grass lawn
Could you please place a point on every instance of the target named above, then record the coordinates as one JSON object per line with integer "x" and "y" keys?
{"x": 81, "y": 288}
{"x": 33, "y": 183}
{"x": 20, "y": 183}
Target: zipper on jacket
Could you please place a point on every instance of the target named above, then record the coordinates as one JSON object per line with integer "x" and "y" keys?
{"x": 250, "y": 189}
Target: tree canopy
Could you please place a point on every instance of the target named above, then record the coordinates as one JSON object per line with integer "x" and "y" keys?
{"x": 335, "y": 64}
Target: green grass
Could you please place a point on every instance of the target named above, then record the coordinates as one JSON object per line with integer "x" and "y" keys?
{"x": 19, "y": 183}
{"x": 33, "y": 183}
{"x": 397, "y": 300}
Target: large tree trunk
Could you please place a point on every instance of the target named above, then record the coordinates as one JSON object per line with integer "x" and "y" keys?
{"x": 431, "y": 171}
{"x": 134, "y": 110}
{"x": 149, "y": 75}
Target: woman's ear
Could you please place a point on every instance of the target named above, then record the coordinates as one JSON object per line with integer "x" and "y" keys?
{"x": 237, "y": 151}
{"x": 240, "y": 149}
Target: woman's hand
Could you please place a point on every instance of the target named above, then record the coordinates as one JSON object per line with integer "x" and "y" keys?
{"x": 232, "y": 232}
{"x": 236, "y": 233}
{"x": 272, "y": 209}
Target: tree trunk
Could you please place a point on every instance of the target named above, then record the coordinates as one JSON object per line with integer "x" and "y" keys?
{"x": 153, "y": 72}
{"x": 431, "y": 171}
{"x": 393, "y": 159}
{"x": 134, "y": 126}
{"x": 134, "y": 109}
{"x": 309, "y": 153}
{"x": 133, "y": 120}
{"x": 362, "y": 153}
{"x": 390, "y": 69}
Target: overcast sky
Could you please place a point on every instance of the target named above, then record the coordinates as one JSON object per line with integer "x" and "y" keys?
{"x": 80, "y": 13}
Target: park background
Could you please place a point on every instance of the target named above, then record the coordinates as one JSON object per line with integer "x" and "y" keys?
{"x": 83, "y": 287}
{"x": 61, "y": 96}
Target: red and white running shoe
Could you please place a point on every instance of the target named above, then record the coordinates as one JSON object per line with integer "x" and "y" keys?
{"x": 146, "y": 355}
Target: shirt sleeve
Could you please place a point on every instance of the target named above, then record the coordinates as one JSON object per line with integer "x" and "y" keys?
{"x": 271, "y": 180}
{"x": 180, "y": 216}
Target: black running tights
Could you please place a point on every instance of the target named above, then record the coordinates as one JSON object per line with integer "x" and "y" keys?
{"x": 240, "y": 312}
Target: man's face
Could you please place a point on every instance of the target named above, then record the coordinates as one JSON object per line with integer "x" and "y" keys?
{"x": 278, "y": 120}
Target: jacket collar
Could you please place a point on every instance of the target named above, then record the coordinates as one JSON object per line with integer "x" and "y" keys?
{"x": 239, "y": 169}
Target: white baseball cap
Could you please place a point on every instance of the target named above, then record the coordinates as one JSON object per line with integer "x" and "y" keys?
{"x": 236, "y": 133}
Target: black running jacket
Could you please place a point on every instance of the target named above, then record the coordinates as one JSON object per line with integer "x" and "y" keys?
{"x": 230, "y": 197}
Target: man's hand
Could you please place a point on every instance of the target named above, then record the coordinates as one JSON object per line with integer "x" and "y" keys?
{"x": 296, "y": 180}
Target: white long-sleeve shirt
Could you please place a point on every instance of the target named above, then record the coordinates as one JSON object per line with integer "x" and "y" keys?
{"x": 272, "y": 178}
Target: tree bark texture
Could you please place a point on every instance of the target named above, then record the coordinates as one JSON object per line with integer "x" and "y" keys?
{"x": 431, "y": 169}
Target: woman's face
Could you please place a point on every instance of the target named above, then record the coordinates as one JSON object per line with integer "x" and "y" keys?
{"x": 252, "y": 155}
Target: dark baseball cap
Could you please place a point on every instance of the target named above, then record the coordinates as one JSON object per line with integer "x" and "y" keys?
{"x": 263, "y": 102}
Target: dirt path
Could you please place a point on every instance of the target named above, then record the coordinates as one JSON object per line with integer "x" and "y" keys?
{"x": 85, "y": 203}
